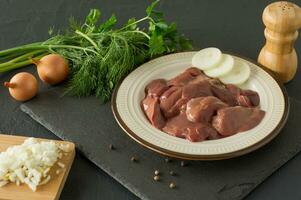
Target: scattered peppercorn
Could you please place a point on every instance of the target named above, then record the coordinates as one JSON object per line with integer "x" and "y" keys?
{"x": 172, "y": 185}
{"x": 134, "y": 159}
{"x": 172, "y": 173}
{"x": 157, "y": 172}
{"x": 111, "y": 147}
{"x": 156, "y": 178}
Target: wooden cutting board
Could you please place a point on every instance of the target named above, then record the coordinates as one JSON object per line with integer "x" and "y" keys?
{"x": 49, "y": 191}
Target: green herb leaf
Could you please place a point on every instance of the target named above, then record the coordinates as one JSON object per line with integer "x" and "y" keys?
{"x": 156, "y": 45}
{"x": 106, "y": 26}
{"x": 93, "y": 17}
{"x": 162, "y": 25}
{"x": 158, "y": 15}
{"x": 50, "y": 31}
{"x": 131, "y": 24}
{"x": 73, "y": 24}
{"x": 171, "y": 30}
{"x": 185, "y": 43}
{"x": 150, "y": 9}
{"x": 101, "y": 56}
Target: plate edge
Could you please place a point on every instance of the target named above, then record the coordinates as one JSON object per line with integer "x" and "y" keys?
{"x": 240, "y": 152}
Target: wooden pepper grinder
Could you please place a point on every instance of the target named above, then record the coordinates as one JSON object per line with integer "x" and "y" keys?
{"x": 282, "y": 20}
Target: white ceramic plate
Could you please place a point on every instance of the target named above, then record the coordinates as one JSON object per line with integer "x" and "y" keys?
{"x": 128, "y": 95}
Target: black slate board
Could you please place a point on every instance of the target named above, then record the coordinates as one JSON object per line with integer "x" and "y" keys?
{"x": 92, "y": 127}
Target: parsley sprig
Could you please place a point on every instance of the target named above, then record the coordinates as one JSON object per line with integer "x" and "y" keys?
{"x": 100, "y": 54}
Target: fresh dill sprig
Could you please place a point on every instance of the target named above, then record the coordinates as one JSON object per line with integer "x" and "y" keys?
{"x": 102, "y": 55}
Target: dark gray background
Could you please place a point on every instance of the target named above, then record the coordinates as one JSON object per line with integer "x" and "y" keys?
{"x": 232, "y": 25}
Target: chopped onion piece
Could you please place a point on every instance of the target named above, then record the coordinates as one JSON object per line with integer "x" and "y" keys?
{"x": 2, "y": 183}
{"x": 61, "y": 165}
{"x": 30, "y": 162}
{"x": 65, "y": 147}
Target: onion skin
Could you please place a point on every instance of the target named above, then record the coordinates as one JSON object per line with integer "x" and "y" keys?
{"x": 23, "y": 86}
{"x": 52, "y": 69}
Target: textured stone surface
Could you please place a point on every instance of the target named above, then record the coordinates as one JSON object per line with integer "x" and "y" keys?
{"x": 85, "y": 180}
{"x": 92, "y": 127}
{"x": 233, "y": 25}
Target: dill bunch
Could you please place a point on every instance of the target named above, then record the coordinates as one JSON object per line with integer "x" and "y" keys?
{"x": 100, "y": 54}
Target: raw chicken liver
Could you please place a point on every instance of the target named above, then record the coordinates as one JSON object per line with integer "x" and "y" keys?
{"x": 185, "y": 77}
{"x": 201, "y": 89}
{"x": 247, "y": 98}
{"x": 170, "y": 101}
{"x": 221, "y": 92}
{"x": 156, "y": 87}
{"x": 202, "y": 109}
{"x": 197, "y": 107}
{"x": 231, "y": 120}
{"x": 179, "y": 126}
{"x": 152, "y": 110}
